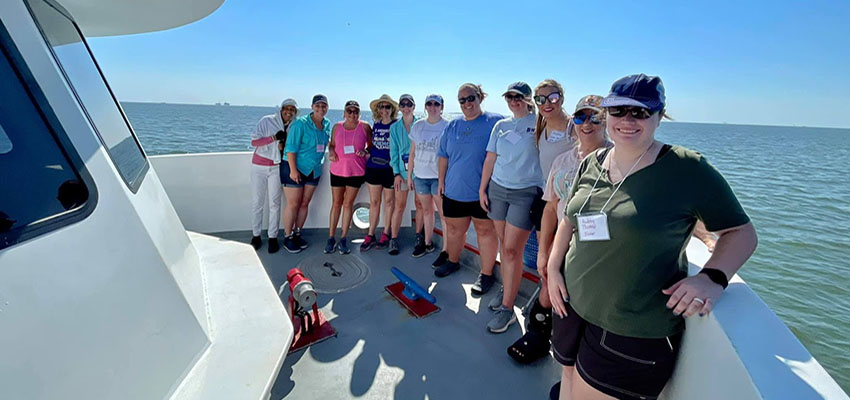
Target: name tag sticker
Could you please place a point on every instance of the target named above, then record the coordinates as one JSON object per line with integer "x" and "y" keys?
{"x": 555, "y": 136}
{"x": 348, "y": 149}
{"x": 320, "y": 148}
{"x": 593, "y": 227}
{"x": 513, "y": 137}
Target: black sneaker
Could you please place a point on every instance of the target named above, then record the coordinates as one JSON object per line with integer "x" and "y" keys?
{"x": 429, "y": 248}
{"x": 302, "y": 244}
{"x": 274, "y": 246}
{"x": 446, "y": 269}
{"x": 290, "y": 245}
{"x": 418, "y": 250}
{"x": 257, "y": 242}
{"x": 393, "y": 247}
{"x": 483, "y": 284}
{"x": 441, "y": 259}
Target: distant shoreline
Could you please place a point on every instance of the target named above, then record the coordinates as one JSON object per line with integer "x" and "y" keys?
{"x": 457, "y": 113}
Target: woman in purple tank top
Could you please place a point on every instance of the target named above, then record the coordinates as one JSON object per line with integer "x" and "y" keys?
{"x": 347, "y": 150}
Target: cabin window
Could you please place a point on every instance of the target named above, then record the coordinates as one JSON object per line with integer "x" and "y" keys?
{"x": 40, "y": 187}
{"x": 88, "y": 84}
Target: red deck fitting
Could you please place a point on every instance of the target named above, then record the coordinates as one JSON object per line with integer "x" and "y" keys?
{"x": 315, "y": 335}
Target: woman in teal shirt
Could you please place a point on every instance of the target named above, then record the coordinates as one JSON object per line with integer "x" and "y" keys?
{"x": 399, "y": 159}
{"x": 305, "y": 153}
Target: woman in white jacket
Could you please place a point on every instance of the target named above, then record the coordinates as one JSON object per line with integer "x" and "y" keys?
{"x": 265, "y": 171}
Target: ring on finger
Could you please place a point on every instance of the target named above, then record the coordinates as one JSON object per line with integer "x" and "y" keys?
{"x": 699, "y": 300}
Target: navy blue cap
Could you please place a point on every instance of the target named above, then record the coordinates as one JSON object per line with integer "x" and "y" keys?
{"x": 320, "y": 98}
{"x": 637, "y": 90}
{"x": 521, "y": 88}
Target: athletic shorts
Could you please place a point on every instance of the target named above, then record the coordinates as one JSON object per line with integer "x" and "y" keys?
{"x": 426, "y": 186}
{"x": 350, "y": 181}
{"x": 286, "y": 181}
{"x": 620, "y": 366}
{"x": 380, "y": 176}
{"x": 512, "y": 205}
{"x": 462, "y": 209}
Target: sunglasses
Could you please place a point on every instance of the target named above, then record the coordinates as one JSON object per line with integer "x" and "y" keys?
{"x": 432, "y": 104}
{"x": 385, "y": 107}
{"x": 469, "y": 98}
{"x": 580, "y": 118}
{"x": 636, "y": 112}
{"x": 514, "y": 97}
{"x": 552, "y": 97}
{"x": 405, "y": 104}
{"x": 352, "y": 111}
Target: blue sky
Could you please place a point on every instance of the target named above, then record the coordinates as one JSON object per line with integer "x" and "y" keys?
{"x": 755, "y": 62}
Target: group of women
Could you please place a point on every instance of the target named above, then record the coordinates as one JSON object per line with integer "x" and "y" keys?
{"x": 613, "y": 208}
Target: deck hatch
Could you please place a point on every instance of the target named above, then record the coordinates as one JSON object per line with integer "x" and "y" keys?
{"x": 332, "y": 273}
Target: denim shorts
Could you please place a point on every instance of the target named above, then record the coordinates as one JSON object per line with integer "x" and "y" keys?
{"x": 286, "y": 181}
{"x": 426, "y": 186}
{"x": 512, "y": 205}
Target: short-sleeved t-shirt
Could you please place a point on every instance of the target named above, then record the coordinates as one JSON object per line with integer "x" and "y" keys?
{"x": 426, "y": 140}
{"x": 616, "y": 284}
{"x": 464, "y": 144}
{"x": 561, "y": 177}
{"x": 552, "y": 146}
{"x": 518, "y": 164}
{"x": 379, "y": 153}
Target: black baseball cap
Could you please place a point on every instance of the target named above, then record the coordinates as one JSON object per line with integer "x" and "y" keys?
{"x": 319, "y": 98}
{"x": 637, "y": 90}
{"x": 351, "y": 103}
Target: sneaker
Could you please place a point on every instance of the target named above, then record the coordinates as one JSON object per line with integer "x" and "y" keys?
{"x": 393, "y": 247}
{"x": 496, "y": 301}
{"x": 368, "y": 243}
{"x": 502, "y": 320}
{"x": 446, "y": 269}
{"x": 483, "y": 284}
{"x": 302, "y": 244}
{"x": 290, "y": 245}
{"x": 429, "y": 248}
{"x": 441, "y": 259}
{"x": 418, "y": 250}
{"x": 274, "y": 246}
{"x": 343, "y": 246}
{"x": 257, "y": 242}
{"x": 384, "y": 242}
{"x": 331, "y": 246}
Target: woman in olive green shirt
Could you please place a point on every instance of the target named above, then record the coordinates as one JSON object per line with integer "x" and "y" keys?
{"x": 624, "y": 289}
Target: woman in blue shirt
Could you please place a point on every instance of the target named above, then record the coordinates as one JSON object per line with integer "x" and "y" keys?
{"x": 305, "y": 153}
{"x": 379, "y": 172}
{"x": 463, "y": 148}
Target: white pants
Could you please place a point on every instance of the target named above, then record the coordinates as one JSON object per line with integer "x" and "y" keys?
{"x": 265, "y": 179}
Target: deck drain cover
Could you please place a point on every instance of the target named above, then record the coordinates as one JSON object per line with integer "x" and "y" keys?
{"x": 332, "y": 273}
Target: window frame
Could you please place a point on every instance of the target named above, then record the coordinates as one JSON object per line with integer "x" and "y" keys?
{"x": 134, "y": 187}
{"x": 54, "y": 128}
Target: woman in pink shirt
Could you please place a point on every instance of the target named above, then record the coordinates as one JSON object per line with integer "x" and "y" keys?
{"x": 347, "y": 150}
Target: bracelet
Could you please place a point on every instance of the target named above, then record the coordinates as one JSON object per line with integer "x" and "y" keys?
{"x": 717, "y": 276}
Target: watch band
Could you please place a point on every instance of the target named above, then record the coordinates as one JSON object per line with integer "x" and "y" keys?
{"x": 717, "y": 276}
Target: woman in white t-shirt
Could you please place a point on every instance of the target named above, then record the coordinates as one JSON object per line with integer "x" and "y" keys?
{"x": 423, "y": 173}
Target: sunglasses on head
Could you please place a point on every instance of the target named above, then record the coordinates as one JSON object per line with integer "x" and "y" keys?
{"x": 636, "y": 112}
{"x": 405, "y": 104}
{"x": 580, "y": 118}
{"x": 514, "y": 97}
{"x": 385, "y": 107}
{"x": 352, "y": 111}
{"x": 469, "y": 98}
{"x": 432, "y": 104}
{"x": 552, "y": 97}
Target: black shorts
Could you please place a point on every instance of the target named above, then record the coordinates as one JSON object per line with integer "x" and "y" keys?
{"x": 380, "y": 176}
{"x": 620, "y": 366}
{"x": 350, "y": 181}
{"x": 462, "y": 209}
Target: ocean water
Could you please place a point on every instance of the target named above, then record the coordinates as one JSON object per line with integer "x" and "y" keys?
{"x": 791, "y": 181}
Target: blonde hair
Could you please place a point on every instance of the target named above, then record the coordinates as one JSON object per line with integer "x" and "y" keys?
{"x": 376, "y": 113}
{"x": 541, "y": 121}
{"x": 475, "y": 88}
